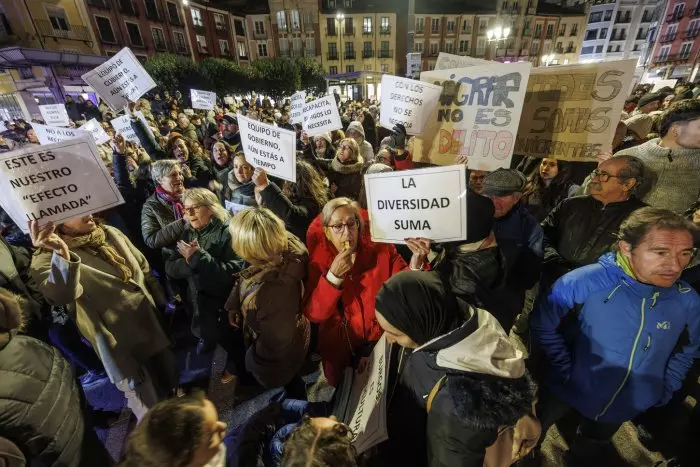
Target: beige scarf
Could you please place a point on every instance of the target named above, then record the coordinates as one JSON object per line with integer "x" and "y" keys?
{"x": 96, "y": 243}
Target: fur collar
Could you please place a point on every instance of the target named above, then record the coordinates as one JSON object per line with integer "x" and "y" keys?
{"x": 351, "y": 168}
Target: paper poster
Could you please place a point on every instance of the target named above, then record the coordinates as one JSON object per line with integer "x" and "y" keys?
{"x": 662, "y": 83}
{"x": 429, "y": 203}
{"x": 297, "y": 106}
{"x": 120, "y": 79}
{"x": 204, "y": 100}
{"x": 407, "y": 102}
{"x": 2, "y": 126}
{"x": 53, "y": 134}
{"x": 447, "y": 61}
{"x": 321, "y": 116}
{"x": 56, "y": 182}
{"x": 234, "y": 208}
{"x": 571, "y": 112}
{"x": 477, "y": 115}
{"x": 122, "y": 125}
{"x": 95, "y": 129}
{"x": 414, "y": 64}
{"x": 54, "y": 115}
{"x": 269, "y": 147}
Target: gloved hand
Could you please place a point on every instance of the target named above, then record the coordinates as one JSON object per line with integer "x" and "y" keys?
{"x": 398, "y": 135}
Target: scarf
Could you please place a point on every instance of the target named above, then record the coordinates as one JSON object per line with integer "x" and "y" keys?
{"x": 96, "y": 243}
{"x": 348, "y": 167}
{"x": 174, "y": 201}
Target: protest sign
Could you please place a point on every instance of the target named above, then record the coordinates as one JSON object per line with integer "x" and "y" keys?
{"x": 53, "y": 134}
{"x": 447, "y": 61}
{"x": 234, "y": 208}
{"x": 122, "y": 125}
{"x": 2, "y": 126}
{"x": 297, "y": 105}
{"x": 54, "y": 115}
{"x": 662, "y": 83}
{"x": 407, "y": 102}
{"x": 477, "y": 115}
{"x": 203, "y": 100}
{"x": 56, "y": 182}
{"x": 429, "y": 203}
{"x": 269, "y": 147}
{"x": 95, "y": 129}
{"x": 571, "y": 112}
{"x": 120, "y": 79}
{"x": 414, "y": 64}
{"x": 320, "y": 116}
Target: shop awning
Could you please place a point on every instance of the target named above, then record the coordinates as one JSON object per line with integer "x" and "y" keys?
{"x": 14, "y": 57}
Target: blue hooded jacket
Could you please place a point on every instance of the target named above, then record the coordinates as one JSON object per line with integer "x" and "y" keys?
{"x": 616, "y": 358}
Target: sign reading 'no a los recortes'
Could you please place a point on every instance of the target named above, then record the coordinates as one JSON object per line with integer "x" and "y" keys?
{"x": 477, "y": 116}
{"x": 321, "y": 116}
{"x": 428, "y": 203}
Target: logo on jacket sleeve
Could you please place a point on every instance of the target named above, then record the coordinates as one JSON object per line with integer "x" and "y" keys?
{"x": 665, "y": 325}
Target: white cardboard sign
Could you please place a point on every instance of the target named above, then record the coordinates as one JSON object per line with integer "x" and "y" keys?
{"x": 447, "y": 61}
{"x": 407, "y": 102}
{"x": 95, "y": 129}
{"x": 122, "y": 125}
{"x": 662, "y": 83}
{"x": 120, "y": 79}
{"x": 53, "y": 134}
{"x": 321, "y": 116}
{"x": 297, "y": 106}
{"x": 429, "y": 203}
{"x": 54, "y": 115}
{"x": 56, "y": 182}
{"x": 204, "y": 100}
{"x": 269, "y": 147}
{"x": 2, "y": 126}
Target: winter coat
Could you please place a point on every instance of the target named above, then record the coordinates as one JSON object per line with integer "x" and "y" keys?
{"x": 158, "y": 225}
{"x": 210, "y": 274}
{"x": 366, "y": 150}
{"x": 296, "y": 217}
{"x": 239, "y": 193}
{"x": 15, "y": 274}
{"x": 281, "y": 332}
{"x": 201, "y": 173}
{"x": 118, "y": 319}
{"x": 40, "y": 409}
{"x": 92, "y": 112}
{"x": 327, "y": 305}
{"x": 485, "y": 388}
{"x": 346, "y": 177}
{"x": 72, "y": 111}
{"x": 616, "y": 358}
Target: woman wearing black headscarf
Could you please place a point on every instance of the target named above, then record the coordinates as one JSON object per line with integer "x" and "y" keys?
{"x": 458, "y": 378}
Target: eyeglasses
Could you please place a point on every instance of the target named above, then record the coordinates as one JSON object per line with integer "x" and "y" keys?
{"x": 603, "y": 176}
{"x": 339, "y": 228}
{"x": 192, "y": 209}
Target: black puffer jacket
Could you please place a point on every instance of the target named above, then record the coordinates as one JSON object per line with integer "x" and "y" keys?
{"x": 39, "y": 402}
{"x": 297, "y": 217}
{"x": 158, "y": 225}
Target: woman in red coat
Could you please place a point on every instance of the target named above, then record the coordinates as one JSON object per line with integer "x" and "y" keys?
{"x": 346, "y": 270}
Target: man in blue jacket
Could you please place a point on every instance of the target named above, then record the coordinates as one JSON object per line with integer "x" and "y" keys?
{"x": 615, "y": 357}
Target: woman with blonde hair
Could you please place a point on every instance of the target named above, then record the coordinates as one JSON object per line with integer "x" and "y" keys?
{"x": 345, "y": 170}
{"x": 204, "y": 258}
{"x": 266, "y": 301}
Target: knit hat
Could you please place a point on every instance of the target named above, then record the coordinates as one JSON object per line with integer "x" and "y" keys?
{"x": 327, "y": 137}
{"x": 357, "y": 126}
{"x": 480, "y": 212}
{"x": 378, "y": 168}
{"x": 639, "y": 124}
{"x": 647, "y": 98}
{"x": 229, "y": 118}
{"x": 503, "y": 182}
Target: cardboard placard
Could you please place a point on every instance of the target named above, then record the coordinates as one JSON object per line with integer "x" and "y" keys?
{"x": 477, "y": 115}
{"x": 204, "y": 100}
{"x": 95, "y": 129}
{"x": 54, "y": 115}
{"x": 297, "y": 106}
{"x": 571, "y": 112}
{"x": 447, "y": 61}
{"x": 53, "y": 134}
{"x": 407, "y": 102}
{"x": 122, "y": 125}
{"x": 428, "y": 203}
{"x": 269, "y": 147}
{"x": 321, "y": 116}
{"x": 120, "y": 79}
{"x": 56, "y": 182}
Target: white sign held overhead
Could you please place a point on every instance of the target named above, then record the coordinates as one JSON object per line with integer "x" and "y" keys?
{"x": 53, "y": 134}
{"x": 2, "y": 126}
{"x": 120, "y": 79}
{"x": 429, "y": 203}
{"x": 662, "y": 83}
{"x": 407, "y": 102}
{"x": 321, "y": 116}
{"x": 95, "y": 129}
{"x": 204, "y": 100}
{"x": 122, "y": 125}
{"x": 56, "y": 182}
{"x": 269, "y": 147}
{"x": 297, "y": 106}
{"x": 447, "y": 61}
{"x": 54, "y": 115}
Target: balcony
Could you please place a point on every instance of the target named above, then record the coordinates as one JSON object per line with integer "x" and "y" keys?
{"x": 432, "y": 53}
{"x": 558, "y": 50}
{"x": 309, "y": 53}
{"x": 626, "y": 19}
{"x": 675, "y": 16}
{"x": 332, "y": 56}
{"x": 386, "y": 53}
{"x": 691, "y": 33}
{"x": 98, "y": 3}
{"x": 367, "y": 53}
{"x": 570, "y": 50}
{"x": 448, "y": 32}
{"x": 349, "y": 55}
{"x": 549, "y": 36}
{"x": 367, "y": 32}
{"x": 203, "y": 50}
{"x": 75, "y": 33}
{"x": 420, "y": 31}
{"x": 349, "y": 32}
{"x": 127, "y": 7}
{"x": 284, "y": 53}
{"x": 467, "y": 31}
{"x": 646, "y": 19}
{"x": 308, "y": 26}
{"x": 71, "y": 71}
{"x": 259, "y": 35}
{"x": 331, "y": 32}
{"x": 527, "y": 32}
{"x": 296, "y": 27}
{"x": 221, "y": 30}
{"x": 297, "y": 53}
{"x": 675, "y": 58}
{"x": 670, "y": 37}
{"x": 385, "y": 31}
{"x": 619, "y": 38}
{"x": 573, "y": 33}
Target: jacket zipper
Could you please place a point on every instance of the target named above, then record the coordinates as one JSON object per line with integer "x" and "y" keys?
{"x": 648, "y": 346}
{"x": 629, "y": 365}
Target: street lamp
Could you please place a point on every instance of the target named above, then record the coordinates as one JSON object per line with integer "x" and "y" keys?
{"x": 340, "y": 17}
{"x": 497, "y": 34}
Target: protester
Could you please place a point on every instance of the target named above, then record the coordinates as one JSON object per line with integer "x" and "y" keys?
{"x": 91, "y": 111}
{"x": 370, "y": 129}
{"x": 357, "y": 133}
{"x": 320, "y": 441}
{"x": 323, "y": 146}
{"x": 231, "y": 135}
{"x": 72, "y": 109}
{"x": 240, "y": 188}
{"x": 547, "y": 187}
{"x": 162, "y": 222}
{"x": 194, "y": 171}
{"x": 185, "y": 128}
{"x": 344, "y": 172}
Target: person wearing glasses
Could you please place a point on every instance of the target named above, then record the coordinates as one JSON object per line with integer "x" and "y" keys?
{"x": 346, "y": 269}
{"x": 580, "y": 229}
{"x": 344, "y": 172}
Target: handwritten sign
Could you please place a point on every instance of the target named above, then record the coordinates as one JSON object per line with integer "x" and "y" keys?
{"x": 56, "y": 182}
{"x": 269, "y": 147}
{"x": 407, "y": 102}
{"x": 120, "y": 79}
{"x": 54, "y": 115}
{"x": 321, "y": 116}
{"x": 122, "y": 125}
{"x": 477, "y": 115}
{"x": 53, "y": 134}
{"x": 447, "y": 61}
{"x": 429, "y": 203}
{"x": 297, "y": 106}
{"x": 95, "y": 129}
{"x": 571, "y": 112}
{"x": 204, "y": 100}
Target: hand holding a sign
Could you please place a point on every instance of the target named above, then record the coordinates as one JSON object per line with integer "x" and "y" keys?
{"x": 420, "y": 247}
{"x": 260, "y": 179}
{"x": 398, "y": 136}
{"x": 47, "y": 238}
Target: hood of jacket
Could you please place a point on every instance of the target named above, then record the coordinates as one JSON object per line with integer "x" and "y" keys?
{"x": 357, "y": 126}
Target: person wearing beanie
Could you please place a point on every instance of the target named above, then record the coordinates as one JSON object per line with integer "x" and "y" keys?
{"x": 640, "y": 122}
{"x": 519, "y": 238}
{"x": 323, "y": 146}
{"x": 231, "y": 134}
{"x": 356, "y": 132}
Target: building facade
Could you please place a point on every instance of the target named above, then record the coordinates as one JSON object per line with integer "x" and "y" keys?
{"x": 210, "y": 32}
{"x": 261, "y": 42}
{"x": 677, "y": 48}
{"x": 558, "y": 34}
{"x": 295, "y": 25}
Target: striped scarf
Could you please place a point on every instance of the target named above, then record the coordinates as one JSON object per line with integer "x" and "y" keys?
{"x": 174, "y": 201}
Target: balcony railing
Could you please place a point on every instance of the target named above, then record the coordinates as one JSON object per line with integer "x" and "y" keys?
{"x": 367, "y": 53}
{"x": 432, "y": 53}
{"x": 420, "y": 31}
{"x": 98, "y": 3}
{"x": 619, "y": 38}
{"x": 127, "y": 7}
{"x": 296, "y": 27}
{"x": 670, "y": 37}
{"x": 367, "y": 32}
{"x": 691, "y": 33}
{"x": 152, "y": 14}
{"x": 199, "y": 27}
{"x": 573, "y": 33}
{"x": 75, "y": 33}
{"x": 349, "y": 55}
{"x": 527, "y": 32}
{"x": 308, "y": 26}
{"x": 675, "y": 16}
{"x": 448, "y": 31}
{"x": 284, "y": 53}
{"x": 331, "y": 32}
{"x": 297, "y": 53}
{"x": 385, "y": 53}
{"x": 71, "y": 71}
{"x": 558, "y": 50}
{"x": 386, "y": 31}
{"x": 466, "y": 31}
{"x": 548, "y": 36}
{"x": 332, "y": 56}
{"x": 349, "y": 31}
{"x": 646, "y": 19}
{"x": 309, "y": 53}
{"x": 678, "y": 58}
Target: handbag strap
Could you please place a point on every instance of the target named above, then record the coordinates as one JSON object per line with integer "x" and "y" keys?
{"x": 433, "y": 392}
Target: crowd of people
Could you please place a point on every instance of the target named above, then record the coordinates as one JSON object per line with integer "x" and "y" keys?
{"x": 590, "y": 265}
